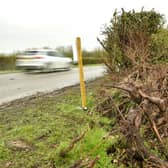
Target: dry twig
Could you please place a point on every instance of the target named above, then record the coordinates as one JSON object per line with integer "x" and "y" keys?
{"x": 71, "y": 145}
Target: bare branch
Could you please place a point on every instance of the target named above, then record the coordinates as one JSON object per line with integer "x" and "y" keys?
{"x": 71, "y": 145}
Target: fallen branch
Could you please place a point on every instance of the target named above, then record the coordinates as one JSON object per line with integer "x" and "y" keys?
{"x": 131, "y": 89}
{"x": 71, "y": 145}
{"x": 77, "y": 164}
{"x": 136, "y": 148}
{"x": 137, "y": 94}
{"x": 93, "y": 162}
{"x": 154, "y": 128}
{"x": 161, "y": 103}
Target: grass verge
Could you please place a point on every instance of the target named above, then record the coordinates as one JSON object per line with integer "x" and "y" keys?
{"x": 48, "y": 123}
{"x": 9, "y": 71}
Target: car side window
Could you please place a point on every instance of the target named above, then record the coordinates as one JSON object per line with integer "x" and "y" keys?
{"x": 55, "y": 54}
{"x": 42, "y": 52}
{"x": 59, "y": 55}
{"x": 51, "y": 53}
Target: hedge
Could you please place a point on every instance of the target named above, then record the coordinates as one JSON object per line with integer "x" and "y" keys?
{"x": 7, "y": 62}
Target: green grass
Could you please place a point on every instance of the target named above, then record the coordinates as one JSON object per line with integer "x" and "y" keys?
{"x": 50, "y": 123}
{"x": 9, "y": 71}
{"x": 7, "y": 62}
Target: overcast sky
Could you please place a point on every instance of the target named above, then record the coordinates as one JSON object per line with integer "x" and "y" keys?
{"x": 38, "y": 23}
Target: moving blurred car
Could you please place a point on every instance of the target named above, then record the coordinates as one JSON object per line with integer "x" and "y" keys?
{"x": 45, "y": 59}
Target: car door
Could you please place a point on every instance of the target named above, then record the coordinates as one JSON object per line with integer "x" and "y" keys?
{"x": 58, "y": 60}
{"x": 61, "y": 60}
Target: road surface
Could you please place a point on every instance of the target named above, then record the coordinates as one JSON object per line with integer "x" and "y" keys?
{"x": 18, "y": 85}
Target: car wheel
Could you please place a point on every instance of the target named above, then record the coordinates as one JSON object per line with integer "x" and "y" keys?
{"x": 48, "y": 67}
{"x": 68, "y": 68}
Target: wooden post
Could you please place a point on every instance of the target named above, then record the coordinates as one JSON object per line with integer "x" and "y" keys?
{"x": 81, "y": 74}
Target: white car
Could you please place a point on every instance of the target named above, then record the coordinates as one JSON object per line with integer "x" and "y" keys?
{"x": 43, "y": 60}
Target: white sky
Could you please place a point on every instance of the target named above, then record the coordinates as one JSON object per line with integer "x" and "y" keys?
{"x": 38, "y": 23}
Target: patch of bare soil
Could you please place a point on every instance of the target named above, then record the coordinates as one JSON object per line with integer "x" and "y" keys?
{"x": 19, "y": 145}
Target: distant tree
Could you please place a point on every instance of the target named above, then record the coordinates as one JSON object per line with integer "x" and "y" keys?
{"x": 46, "y": 47}
{"x": 67, "y": 51}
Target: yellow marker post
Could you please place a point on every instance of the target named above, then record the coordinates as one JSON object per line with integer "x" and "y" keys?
{"x": 81, "y": 74}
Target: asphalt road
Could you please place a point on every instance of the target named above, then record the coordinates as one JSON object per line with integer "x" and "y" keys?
{"x": 18, "y": 85}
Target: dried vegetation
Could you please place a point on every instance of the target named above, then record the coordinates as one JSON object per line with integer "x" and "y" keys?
{"x": 139, "y": 102}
